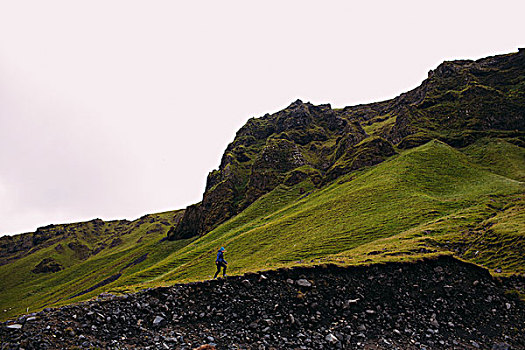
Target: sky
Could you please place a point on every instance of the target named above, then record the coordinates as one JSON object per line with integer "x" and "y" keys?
{"x": 115, "y": 109}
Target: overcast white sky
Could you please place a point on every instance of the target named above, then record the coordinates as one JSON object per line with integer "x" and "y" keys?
{"x": 115, "y": 109}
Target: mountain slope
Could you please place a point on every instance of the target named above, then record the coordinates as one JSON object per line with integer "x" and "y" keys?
{"x": 390, "y": 181}
{"x": 460, "y": 102}
{"x": 384, "y": 213}
{"x": 84, "y": 254}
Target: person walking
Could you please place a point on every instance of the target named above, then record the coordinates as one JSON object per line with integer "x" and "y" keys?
{"x": 220, "y": 262}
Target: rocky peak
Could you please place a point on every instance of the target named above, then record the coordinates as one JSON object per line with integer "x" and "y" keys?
{"x": 260, "y": 158}
{"x": 296, "y": 103}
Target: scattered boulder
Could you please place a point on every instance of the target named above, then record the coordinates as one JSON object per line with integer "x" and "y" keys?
{"x": 303, "y": 283}
{"x": 330, "y": 338}
{"x": 14, "y": 326}
{"x": 159, "y": 321}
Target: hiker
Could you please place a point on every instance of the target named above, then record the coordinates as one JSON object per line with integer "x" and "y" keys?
{"x": 220, "y": 262}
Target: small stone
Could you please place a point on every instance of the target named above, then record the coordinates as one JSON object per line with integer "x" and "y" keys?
{"x": 289, "y": 281}
{"x": 475, "y": 283}
{"x": 370, "y": 312}
{"x": 303, "y": 283}
{"x": 14, "y": 326}
{"x": 501, "y": 346}
{"x": 246, "y": 283}
{"x": 210, "y": 339}
{"x": 331, "y": 338}
{"x": 475, "y": 344}
{"x": 438, "y": 269}
{"x": 508, "y": 306}
{"x": 498, "y": 270}
{"x": 158, "y": 321}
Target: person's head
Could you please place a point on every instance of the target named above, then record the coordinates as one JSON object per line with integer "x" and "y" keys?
{"x": 222, "y": 249}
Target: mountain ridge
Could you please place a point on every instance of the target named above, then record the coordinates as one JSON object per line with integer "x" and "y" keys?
{"x": 457, "y": 95}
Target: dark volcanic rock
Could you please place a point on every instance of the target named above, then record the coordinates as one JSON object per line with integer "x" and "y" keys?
{"x": 263, "y": 155}
{"x": 277, "y": 157}
{"x": 371, "y": 151}
{"x": 432, "y": 304}
{"x": 80, "y": 250}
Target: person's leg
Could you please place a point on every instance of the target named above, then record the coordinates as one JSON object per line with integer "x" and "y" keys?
{"x": 218, "y": 270}
{"x": 224, "y": 269}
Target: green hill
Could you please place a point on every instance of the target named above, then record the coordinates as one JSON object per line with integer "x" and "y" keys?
{"x": 404, "y": 207}
{"x": 395, "y": 180}
{"x": 432, "y": 199}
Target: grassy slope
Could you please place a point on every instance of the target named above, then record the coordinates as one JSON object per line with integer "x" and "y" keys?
{"x": 427, "y": 200}
{"x": 20, "y": 288}
{"x": 407, "y": 194}
{"x": 499, "y": 156}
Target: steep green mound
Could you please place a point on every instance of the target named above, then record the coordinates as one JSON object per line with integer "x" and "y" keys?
{"x": 502, "y": 157}
{"x": 460, "y": 102}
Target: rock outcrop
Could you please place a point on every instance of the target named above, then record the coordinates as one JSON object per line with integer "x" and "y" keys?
{"x": 47, "y": 265}
{"x": 440, "y": 303}
{"x": 300, "y": 139}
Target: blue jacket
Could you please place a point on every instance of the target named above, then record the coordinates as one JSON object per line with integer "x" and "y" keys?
{"x": 220, "y": 257}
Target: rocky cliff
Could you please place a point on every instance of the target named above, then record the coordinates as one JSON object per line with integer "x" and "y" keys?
{"x": 459, "y": 102}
